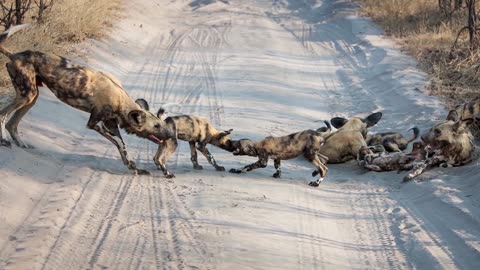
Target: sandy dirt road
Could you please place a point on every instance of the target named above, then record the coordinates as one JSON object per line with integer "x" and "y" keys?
{"x": 262, "y": 68}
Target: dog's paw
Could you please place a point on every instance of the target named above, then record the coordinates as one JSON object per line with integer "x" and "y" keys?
{"x": 142, "y": 172}
{"x": 314, "y": 183}
{"x": 25, "y": 146}
{"x": 170, "y": 175}
{"x": 276, "y": 175}
{"x": 220, "y": 169}
{"x": 198, "y": 167}
{"x": 5, "y": 143}
{"x": 407, "y": 178}
{"x": 235, "y": 171}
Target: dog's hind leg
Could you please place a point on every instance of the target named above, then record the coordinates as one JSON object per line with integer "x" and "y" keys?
{"x": 261, "y": 163}
{"x": 165, "y": 150}
{"x": 202, "y": 148}
{"x": 109, "y": 130}
{"x": 193, "y": 156}
{"x": 314, "y": 158}
{"x": 392, "y": 147}
{"x": 3, "y": 140}
{"x": 12, "y": 124}
{"x": 24, "y": 82}
{"x": 276, "y": 163}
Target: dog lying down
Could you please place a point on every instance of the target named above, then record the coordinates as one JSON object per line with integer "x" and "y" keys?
{"x": 392, "y": 141}
{"x": 376, "y": 158}
{"x": 306, "y": 142}
{"x": 445, "y": 145}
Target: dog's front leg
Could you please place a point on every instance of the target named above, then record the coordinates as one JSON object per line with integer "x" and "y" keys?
{"x": 109, "y": 130}
{"x": 203, "y": 149}
{"x": 261, "y": 163}
{"x": 276, "y": 164}
{"x": 163, "y": 153}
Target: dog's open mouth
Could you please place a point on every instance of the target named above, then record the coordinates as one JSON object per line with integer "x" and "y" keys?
{"x": 154, "y": 139}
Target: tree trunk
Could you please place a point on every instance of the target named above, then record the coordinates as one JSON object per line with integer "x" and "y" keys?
{"x": 18, "y": 12}
{"x": 472, "y": 20}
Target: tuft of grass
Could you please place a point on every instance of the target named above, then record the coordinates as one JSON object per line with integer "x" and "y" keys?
{"x": 67, "y": 23}
{"x": 426, "y": 33}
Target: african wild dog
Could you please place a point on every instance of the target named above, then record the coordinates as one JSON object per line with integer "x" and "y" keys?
{"x": 343, "y": 145}
{"x": 7, "y": 96}
{"x": 85, "y": 89}
{"x": 451, "y": 140}
{"x": 392, "y": 141}
{"x": 375, "y": 158}
{"x": 306, "y": 142}
{"x": 449, "y": 143}
{"x": 469, "y": 110}
{"x": 198, "y": 132}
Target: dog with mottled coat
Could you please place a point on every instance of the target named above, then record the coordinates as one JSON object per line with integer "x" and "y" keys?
{"x": 343, "y": 144}
{"x": 97, "y": 93}
{"x": 306, "y": 143}
{"x": 198, "y": 132}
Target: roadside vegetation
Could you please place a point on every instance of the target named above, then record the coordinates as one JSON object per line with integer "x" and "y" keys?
{"x": 56, "y": 25}
{"x": 428, "y": 29}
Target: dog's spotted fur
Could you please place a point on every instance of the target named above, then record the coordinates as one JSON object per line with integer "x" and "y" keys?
{"x": 90, "y": 91}
{"x": 469, "y": 110}
{"x": 343, "y": 144}
{"x": 451, "y": 140}
{"x": 198, "y": 132}
{"x": 306, "y": 142}
{"x": 375, "y": 158}
{"x": 392, "y": 141}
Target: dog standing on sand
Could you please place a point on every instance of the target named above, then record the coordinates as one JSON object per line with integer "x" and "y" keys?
{"x": 306, "y": 142}
{"x": 94, "y": 92}
{"x": 198, "y": 132}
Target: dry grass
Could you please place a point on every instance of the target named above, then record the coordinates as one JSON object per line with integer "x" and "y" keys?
{"x": 67, "y": 23}
{"x": 426, "y": 33}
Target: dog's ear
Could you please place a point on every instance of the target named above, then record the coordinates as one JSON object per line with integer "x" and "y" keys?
{"x": 160, "y": 112}
{"x": 452, "y": 116}
{"x": 462, "y": 125}
{"x": 224, "y": 133}
{"x": 143, "y": 103}
{"x": 373, "y": 119}
{"x": 137, "y": 118}
{"x": 338, "y": 122}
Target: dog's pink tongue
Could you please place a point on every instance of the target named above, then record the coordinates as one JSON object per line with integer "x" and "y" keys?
{"x": 154, "y": 138}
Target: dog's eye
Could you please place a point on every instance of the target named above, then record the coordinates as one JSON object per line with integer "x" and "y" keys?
{"x": 437, "y": 131}
{"x": 157, "y": 126}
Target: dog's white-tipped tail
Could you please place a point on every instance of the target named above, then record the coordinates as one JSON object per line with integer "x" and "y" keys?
{"x": 6, "y": 34}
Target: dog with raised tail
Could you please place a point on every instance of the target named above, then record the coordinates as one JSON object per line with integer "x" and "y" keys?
{"x": 94, "y": 92}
